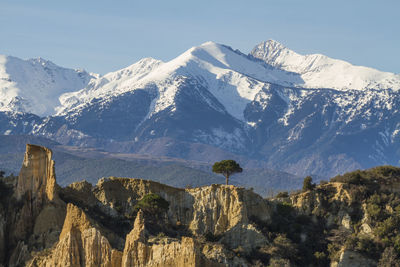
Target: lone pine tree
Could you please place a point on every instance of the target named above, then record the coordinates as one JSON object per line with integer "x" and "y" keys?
{"x": 226, "y": 168}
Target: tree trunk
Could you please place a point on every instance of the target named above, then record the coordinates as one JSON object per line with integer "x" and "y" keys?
{"x": 227, "y": 179}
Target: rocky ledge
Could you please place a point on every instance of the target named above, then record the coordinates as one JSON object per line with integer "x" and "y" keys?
{"x": 351, "y": 221}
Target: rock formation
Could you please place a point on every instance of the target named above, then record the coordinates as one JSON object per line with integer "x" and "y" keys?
{"x": 186, "y": 252}
{"x": 42, "y": 224}
{"x": 214, "y": 208}
{"x": 80, "y": 244}
{"x": 37, "y": 176}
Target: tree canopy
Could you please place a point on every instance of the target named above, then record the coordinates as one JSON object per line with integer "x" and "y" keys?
{"x": 227, "y": 168}
{"x": 307, "y": 184}
{"x": 152, "y": 203}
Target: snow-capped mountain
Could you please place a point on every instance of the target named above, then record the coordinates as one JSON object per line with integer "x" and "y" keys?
{"x": 302, "y": 114}
{"x": 35, "y": 85}
{"x": 319, "y": 71}
{"x": 230, "y": 76}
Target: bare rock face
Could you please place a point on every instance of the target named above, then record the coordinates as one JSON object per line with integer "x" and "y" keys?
{"x": 64, "y": 235}
{"x": 80, "y": 244}
{"x": 37, "y": 176}
{"x": 136, "y": 251}
{"x": 37, "y": 188}
{"x": 215, "y": 209}
{"x": 180, "y": 253}
{"x": 245, "y": 236}
{"x": 39, "y": 213}
{"x": 312, "y": 203}
{"x": 219, "y": 208}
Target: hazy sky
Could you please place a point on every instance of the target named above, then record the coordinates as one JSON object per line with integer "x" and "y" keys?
{"x": 102, "y": 36}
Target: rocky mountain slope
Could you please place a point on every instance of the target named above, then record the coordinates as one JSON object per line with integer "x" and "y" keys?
{"x": 351, "y": 221}
{"x": 34, "y": 85}
{"x": 320, "y": 71}
{"x": 302, "y": 114}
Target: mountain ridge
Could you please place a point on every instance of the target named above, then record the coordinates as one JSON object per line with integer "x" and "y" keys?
{"x": 213, "y": 102}
{"x": 320, "y": 71}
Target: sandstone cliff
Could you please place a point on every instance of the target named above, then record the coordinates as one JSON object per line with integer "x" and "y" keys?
{"x": 37, "y": 176}
{"x": 35, "y": 213}
{"x": 101, "y": 227}
{"x": 339, "y": 223}
{"x": 80, "y": 244}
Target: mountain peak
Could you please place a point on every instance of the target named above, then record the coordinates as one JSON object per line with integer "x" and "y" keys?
{"x": 41, "y": 61}
{"x": 35, "y": 85}
{"x": 270, "y": 50}
{"x": 320, "y": 71}
{"x": 272, "y": 45}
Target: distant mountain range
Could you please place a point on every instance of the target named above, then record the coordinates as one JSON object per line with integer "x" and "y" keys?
{"x": 272, "y": 108}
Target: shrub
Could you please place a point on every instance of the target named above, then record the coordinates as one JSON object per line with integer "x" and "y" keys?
{"x": 320, "y": 259}
{"x": 307, "y": 184}
{"x": 284, "y": 209}
{"x": 374, "y": 211}
{"x": 278, "y": 262}
{"x": 334, "y": 251}
{"x": 386, "y": 171}
{"x": 355, "y": 177}
{"x": 389, "y": 258}
{"x": 284, "y": 248}
{"x": 388, "y": 227}
{"x": 368, "y": 176}
{"x": 152, "y": 203}
{"x": 284, "y": 194}
{"x": 367, "y": 246}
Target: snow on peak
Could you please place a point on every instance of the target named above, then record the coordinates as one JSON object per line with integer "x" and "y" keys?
{"x": 111, "y": 84}
{"x": 34, "y": 85}
{"x": 270, "y": 46}
{"x": 319, "y": 71}
{"x": 235, "y": 79}
{"x": 232, "y": 77}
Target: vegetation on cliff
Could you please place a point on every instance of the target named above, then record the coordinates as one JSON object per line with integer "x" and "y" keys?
{"x": 353, "y": 219}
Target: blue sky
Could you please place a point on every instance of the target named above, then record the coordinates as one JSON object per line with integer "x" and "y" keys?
{"x": 102, "y": 36}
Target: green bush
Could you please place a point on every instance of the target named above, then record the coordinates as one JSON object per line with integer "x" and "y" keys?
{"x": 373, "y": 175}
{"x": 355, "y": 178}
{"x": 320, "y": 259}
{"x": 374, "y": 211}
{"x": 152, "y": 203}
{"x": 386, "y": 171}
{"x": 278, "y": 262}
{"x": 388, "y": 227}
{"x": 389, "y": 258}
{"x": 284, "y": 248}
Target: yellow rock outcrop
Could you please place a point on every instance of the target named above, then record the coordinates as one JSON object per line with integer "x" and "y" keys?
{"x": 68, "y": 236}
{"x": 214, "y": 209}
{"x": 177, "y": 253}
{"x": 37, "y": 175}
{"x": 80, "y": 244}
